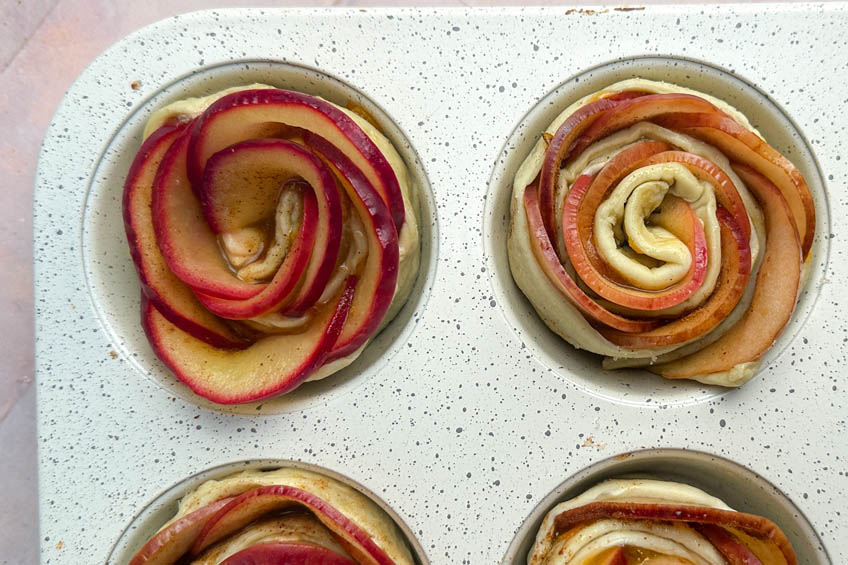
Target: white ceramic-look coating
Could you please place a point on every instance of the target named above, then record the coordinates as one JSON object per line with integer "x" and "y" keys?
{"x": 461, "y": 430}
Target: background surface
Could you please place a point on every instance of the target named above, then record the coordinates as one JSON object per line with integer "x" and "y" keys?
{"x": 44, "y": 45}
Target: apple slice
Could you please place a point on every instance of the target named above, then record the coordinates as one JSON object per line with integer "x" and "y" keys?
{"x": 241, "y": 185}
{"x": 732, "y": 281}
{"x": 726, "y": 193}
{"x": 728, "y": 545}
{"x": 173, "y": 541}
{"x": 282, "y": 286}
{"x": 273, "y": 365}
{"x": 172, "y": 298}
{"x": 616, "y": 557}
{"x": 763, "y": 530}
{"x": 255, "y": 503}
{"x": 743, "y": 146}
{"x": 241, "y": 115}
{"x": 277, "y": 553}
{"x": 548, "y": 261}
{"x": 643, "y": 108}
{"x": 378, "y": 279}
{"x": 189, "y": 246}
{"x": 774, "y": 298}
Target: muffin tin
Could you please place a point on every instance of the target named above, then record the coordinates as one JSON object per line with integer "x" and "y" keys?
{"x": 463, "y": 413}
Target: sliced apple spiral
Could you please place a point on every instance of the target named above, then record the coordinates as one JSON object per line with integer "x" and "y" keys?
{"x": 653, "y": 225}
{"x": 647, "y": 522}
{"x": 273, "y": 234}
{"x": 285, "y": 516}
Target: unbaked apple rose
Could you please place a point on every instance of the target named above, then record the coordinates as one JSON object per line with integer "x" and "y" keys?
{"x": 653, "y": 225}
{"x": 647, "y": 522}
{"x": 284, "y": 516}
{"x": 274, "y": 234}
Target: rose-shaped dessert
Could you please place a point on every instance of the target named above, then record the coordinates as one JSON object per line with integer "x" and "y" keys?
{"x": 653, "y": 225}
{"x": 274, "y": 234}
{"x": 284, "y": 516}
{"x": 647, "y": 522}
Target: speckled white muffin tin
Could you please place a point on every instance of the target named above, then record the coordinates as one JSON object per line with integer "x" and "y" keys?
{"x": 455, "y": 423}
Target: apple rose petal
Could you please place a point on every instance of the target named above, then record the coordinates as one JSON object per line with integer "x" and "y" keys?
{"x": 639, "y": 521}
{"x": 636, "y": 208}
{"x": 273, "y": 237}
{"x": 284, "y": 516}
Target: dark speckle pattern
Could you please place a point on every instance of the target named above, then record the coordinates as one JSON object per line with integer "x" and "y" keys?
{"x": 456, "y": 82}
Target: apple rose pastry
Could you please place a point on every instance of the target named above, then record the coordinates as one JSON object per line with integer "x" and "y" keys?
{"x": 274, "y": 234}
{"x": 646, "y": 522}
{"x": 284, "y": 516}
{"x": 653, "y": 225}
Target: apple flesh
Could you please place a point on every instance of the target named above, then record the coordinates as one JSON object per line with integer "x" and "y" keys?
{"x": 547, "y": 259}
{"x": 173, "y": 541}
{"x": 775, "y": 295}
{"x": 241, "y": 115}
{"x": 287, "y": 554}
{"x": 745, "y": 147}
{"x": 274, "y": 365}
{"x": 186, "y": 241}
{"x": 287, "y": 276}
{"x": 249, "y": 506}
{"x": 732, "y": 280}
{"x": 378, "y": 279}
{"x": 170, "y": 295}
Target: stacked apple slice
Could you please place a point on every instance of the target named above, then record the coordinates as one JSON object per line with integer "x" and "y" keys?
{"x": 672, "y": 233}
{"x": 265, "y": 235}
{"x": 306, "y": 518}
{"x": 624, "y": 522}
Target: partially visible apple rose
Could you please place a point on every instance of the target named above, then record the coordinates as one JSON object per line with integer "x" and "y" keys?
{"x": 274, "y": 235}
{"x": 653, "y": 225}
{"x": 284, "y": 516}
{"x": 647, "y": 522}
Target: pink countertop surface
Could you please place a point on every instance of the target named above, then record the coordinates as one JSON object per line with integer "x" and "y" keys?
{"x": 44, "y": 45}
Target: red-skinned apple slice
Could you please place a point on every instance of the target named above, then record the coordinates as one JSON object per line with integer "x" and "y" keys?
{"x": 732, "y": 280}
{"x": 728, "y": 545}
{"x": 241, "y": 184}
{"x": 273, "y": 365}
{"x": 251, "y": 505}
{"x": 755, "y": 526}
{"x": 378, "y": 279}
{"x": 744, "y": 146}
{"x": 173, "y": 541}
{"x": 277, "y": 553}
{"x": 643, "y": 108}
{"x": 726, "y": 192}
{"x": 774, "y": 297}
{"x": 559, "y": 147}
{"x": 285, "y": 280}
{"x": 549, "y": 263}
{"x": 240, "y": 115}
{"x": 169, "y": 294}
{"x": 189, "y": 246}
{"x": 613, "y": 171}
{"x": 680, "y": 220}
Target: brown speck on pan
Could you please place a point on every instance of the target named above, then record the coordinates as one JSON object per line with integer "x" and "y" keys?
{"x": 584, "y": 12}
{"x": 135, "y": 85}
{"x": 589, "y": 442}
{"x": 629, "y": 8}
{"x": 60, "y": 545}
{"x": 113, "y": 355}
